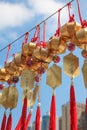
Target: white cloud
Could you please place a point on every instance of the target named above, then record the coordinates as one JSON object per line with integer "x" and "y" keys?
{"x": 12, "y": 15}
{"x": 15, "y": 15}
{"x": 47, "y": 7}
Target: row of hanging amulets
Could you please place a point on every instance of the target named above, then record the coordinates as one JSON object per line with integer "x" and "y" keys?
{"x": 33, "y": 57}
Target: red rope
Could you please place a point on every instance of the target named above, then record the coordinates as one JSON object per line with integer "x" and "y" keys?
{"x": 59, "y": 25}
{"x": 3, "y": 125}
{"x": 8, "y": 51}
{"x": 44, "y": 31}
{"x": 58, "y": 30}
{"x": 79, "y": 12}
{"x": 71, "y": 17}
{"x": 69, "y": 6}
{"x": 38, "y": 33}
{"x": 9, "y": 122}
{"x": 26, "y": 38}
{"x": 34, "y": 39}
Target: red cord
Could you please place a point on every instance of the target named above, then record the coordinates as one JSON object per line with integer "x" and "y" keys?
{"x": 79, "y": 12}
{"x": 8, "y": 51}
{"x": 44, "y": 31}
{"x": 26, "y": 38}
{"x": 69, "y": 6}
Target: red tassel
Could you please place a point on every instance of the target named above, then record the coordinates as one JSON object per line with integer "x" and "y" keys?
{"x": 18, "y": 127}
{"x": 9, "y": 122}
{"x": 24, "y": 113}
{"x": 3, "y": 122}
{"x": 86, "y": 106}
{"x": 28, "y": 119}
{"x": 37, "y": 123}
{"x": 73, "y": 112}
{"x": 52, "y": 125}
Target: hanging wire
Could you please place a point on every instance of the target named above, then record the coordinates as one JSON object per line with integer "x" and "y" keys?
{"x": 34, "y": 27}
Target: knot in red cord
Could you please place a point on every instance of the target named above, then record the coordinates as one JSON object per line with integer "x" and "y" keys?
{"x": 84, "y": 24}
{"x": 72, "y": 18}
{"x": 42, "y": 44}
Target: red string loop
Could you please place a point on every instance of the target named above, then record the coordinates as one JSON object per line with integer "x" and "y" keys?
{"x": 59, "y": 25}
{"x": 69, "y": 6}
{"x": 79, "y": 12}
{"x": 26, "y": 38}
{"x": 8, "y": 51}
{"x": 44, "y": 31}
{"x": 71, "y": 17}
{"x": 34, "y": 39}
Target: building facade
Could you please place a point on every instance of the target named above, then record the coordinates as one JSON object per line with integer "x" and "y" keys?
{"x": 63, "y": 123}
{"x": 82, "y": 118}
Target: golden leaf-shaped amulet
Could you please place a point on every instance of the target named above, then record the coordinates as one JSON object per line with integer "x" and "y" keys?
{"x": 84, "y": 71}
{"x": 71, "y": 65}
{"x": 27, "y": 79}
{"x": 54, "y": 76}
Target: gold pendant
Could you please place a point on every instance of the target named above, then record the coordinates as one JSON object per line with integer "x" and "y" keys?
{"x": 54, "y": 76}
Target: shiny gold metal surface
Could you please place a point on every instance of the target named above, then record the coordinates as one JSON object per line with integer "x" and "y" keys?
{"x": 69, "y": 29}
{"x": 54, "y": 76}
{"x": 10, "y": 69}
{"x": 41, "y": 53}
{"x": 71, "y": 65}
{"x": 19, "y": 60}
{"x": 4, "y": 99}
{"x": 56, "y": 45}
{"x": 84, "y": 71}
{"x": 27, "y": 49}
{"x": 4, "y": 75}
{"x": 81, "y": 35}
{"x": 12, "y": 97}
{"x": 27, "y": 79}
{"x": 18, "y": 69}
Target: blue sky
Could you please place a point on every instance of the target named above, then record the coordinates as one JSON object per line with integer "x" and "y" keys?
{"x": 16, "y": 18}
